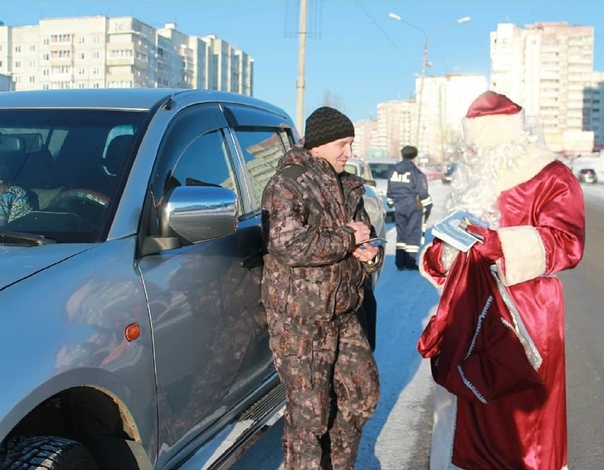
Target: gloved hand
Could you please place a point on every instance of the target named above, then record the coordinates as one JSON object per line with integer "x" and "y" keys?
{"x": 490, "y": 248}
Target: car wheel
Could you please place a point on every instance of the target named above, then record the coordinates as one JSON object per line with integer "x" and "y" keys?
{"x": 57, "y": 453}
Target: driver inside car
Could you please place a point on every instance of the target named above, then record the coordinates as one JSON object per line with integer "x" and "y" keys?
{"x": 14, "y": 200}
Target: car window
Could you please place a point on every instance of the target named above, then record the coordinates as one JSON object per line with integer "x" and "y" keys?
{"x": 380, "y": 170}
{"x": 261, "y": 148}
{"x": 58, "y": 160}
{"x": 205, "y": 162}
{"x": 194, "y": 152}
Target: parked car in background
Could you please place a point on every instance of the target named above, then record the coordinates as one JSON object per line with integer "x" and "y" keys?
{"x": 372, "y": 201}
{"x": 360, "y": 167}
{"x": 448, "y": 174}
{"x": 588, "y": 175}
{"x": 381, "y": 169}
{"x": 132, "y": 332}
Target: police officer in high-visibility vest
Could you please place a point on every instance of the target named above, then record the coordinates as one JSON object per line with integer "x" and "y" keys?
{"x": 408, "y": 192}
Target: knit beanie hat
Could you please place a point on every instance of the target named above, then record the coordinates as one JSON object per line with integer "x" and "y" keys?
{"x": 409, "y": 152}
{"x": 493, "y": 119}
{"x": 325, "y": 125}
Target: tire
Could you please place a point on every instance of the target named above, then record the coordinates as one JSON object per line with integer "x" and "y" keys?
{"x": 45, "y": 453}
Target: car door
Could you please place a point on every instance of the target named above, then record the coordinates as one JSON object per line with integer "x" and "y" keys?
{"x": 204, "y": 299}
{"x": 260, "y": 138}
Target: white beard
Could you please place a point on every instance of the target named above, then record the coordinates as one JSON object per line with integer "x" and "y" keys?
{"x": 474, "y": 186}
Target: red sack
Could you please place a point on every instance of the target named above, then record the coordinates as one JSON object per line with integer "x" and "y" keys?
{"x": 478, "y": 347}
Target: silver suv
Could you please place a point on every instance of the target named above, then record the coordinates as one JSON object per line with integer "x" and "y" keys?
{"x": 132, "y": 332}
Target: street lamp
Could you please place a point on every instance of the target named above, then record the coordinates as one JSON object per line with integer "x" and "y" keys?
{"x": 426, "y": 34}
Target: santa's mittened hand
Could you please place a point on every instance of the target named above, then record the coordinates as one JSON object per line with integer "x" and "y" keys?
{"x": 490, "y": 248}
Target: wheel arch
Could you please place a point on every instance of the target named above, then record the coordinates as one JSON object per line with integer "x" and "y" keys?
{"x": 92, "y": 414}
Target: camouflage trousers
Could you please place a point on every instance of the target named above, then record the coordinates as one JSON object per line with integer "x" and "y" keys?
{"x": 332, "y": 388}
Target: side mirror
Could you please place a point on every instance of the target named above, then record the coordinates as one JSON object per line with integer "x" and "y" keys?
{"x": 198, "y": 213}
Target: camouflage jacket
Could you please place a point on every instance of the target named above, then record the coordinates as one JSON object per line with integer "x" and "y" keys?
{"x": 309, "y": 271}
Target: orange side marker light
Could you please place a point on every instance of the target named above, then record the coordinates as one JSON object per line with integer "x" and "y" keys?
{"x": 132, "y": 331}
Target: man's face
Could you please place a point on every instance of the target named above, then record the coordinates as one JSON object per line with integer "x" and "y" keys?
{"x": 336, "y": 153}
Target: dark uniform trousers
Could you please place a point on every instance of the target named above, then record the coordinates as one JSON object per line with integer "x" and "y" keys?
{"x": 332, "y": 388}
{"x": 408, "y": 217}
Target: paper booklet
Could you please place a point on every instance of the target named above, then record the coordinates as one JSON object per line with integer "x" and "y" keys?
{"x": 452, "y": 229}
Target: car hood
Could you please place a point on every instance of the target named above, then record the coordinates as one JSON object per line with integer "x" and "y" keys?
{"x": 17, "y": 263}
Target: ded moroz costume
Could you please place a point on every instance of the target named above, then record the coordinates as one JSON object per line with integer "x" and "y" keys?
{"x": 535, "y": 208}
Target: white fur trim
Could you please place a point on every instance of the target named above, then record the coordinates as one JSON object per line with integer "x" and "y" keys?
{"x": 443, "y": 429}
{"x": 523, "y": 254}
{"x": 535, "y": 160}
{"x": 494, "y": 129}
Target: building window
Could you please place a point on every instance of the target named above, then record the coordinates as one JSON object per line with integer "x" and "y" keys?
{"x": 60, "y": 38}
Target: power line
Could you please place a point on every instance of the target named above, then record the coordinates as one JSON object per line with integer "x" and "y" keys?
{"x": 376, "y": 24}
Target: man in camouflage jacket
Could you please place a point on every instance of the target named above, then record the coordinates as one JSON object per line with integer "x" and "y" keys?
{"x": 312, "y": 285}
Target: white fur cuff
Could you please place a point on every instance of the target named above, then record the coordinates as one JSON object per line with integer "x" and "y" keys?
{"x": 523, "y": 252}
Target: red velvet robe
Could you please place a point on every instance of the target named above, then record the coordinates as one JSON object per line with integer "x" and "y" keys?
{"x": 526, "y": 430}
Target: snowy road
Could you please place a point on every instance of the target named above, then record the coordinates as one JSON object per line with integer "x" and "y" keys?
{"x": 397, "y": 437}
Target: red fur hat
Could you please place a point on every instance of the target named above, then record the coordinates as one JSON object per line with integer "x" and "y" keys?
{"x": 493, "y": 119}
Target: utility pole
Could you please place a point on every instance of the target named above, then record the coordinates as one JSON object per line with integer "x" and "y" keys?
{"x": 300, "y": 83}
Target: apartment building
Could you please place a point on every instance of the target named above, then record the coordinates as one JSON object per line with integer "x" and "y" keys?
{"x": 362, "y": 137}
{"x": 547, "y": 67}
{"x": 593, "y": 112}
{"x": 122, "y": 52}
{"x": 393, "y": 127}
{"x": 445, "y": 101}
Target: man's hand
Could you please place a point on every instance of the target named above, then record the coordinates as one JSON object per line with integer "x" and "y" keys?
{"x": 361, "y": 231}
{"x": 365, "y": 252}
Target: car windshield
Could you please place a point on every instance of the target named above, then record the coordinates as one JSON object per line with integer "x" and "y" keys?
{"x": 60, "y": 170}
{"x": 380, "y": 170}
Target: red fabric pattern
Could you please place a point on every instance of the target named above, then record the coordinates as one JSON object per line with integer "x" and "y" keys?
{"x": 527, "y": 430}
{"x": 475, "y": 353}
